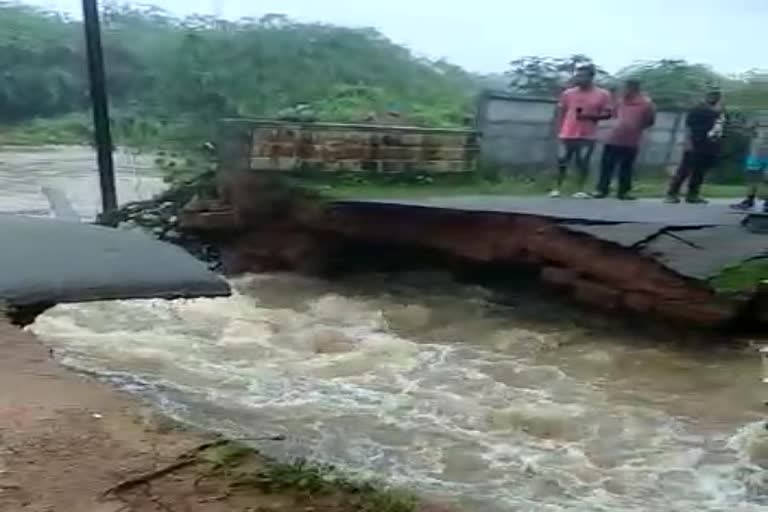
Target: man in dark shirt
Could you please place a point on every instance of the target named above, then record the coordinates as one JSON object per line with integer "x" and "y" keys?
{"x": 704, "y": 130}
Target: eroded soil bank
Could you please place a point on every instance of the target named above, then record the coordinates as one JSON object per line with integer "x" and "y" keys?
{"x": 262, "y": 224}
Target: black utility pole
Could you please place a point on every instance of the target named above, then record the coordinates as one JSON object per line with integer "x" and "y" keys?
{"x": 102, "y": 135}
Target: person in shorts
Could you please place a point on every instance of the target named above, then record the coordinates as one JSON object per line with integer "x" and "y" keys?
{"x": 580, "y": 109}
{"x": 756, "y": 167}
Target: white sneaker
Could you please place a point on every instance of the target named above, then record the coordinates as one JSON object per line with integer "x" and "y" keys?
{"x": 554, "y": 194}
{"x": 581, "y": 195}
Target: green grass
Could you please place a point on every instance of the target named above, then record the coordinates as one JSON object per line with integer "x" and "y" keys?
{"x": 741, "y": 278}
{"x": 73, "y": 129}
{"x": 76, "y": 129}
{"x": 233, "y": 460}
{"x": 362, "y": 188}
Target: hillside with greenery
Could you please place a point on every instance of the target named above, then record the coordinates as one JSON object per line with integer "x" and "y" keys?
{"x": 172, "y": 78}
{"x": 164, "y": 71}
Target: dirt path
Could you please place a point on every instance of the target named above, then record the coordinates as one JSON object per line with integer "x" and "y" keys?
{"x": 66, "y": 439}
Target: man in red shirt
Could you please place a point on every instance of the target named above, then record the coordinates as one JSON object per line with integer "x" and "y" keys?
{"x": 635, "y": 113}
{"x": 580, "y": 109}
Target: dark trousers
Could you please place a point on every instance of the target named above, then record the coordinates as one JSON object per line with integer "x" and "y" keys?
{"x": 614, "y": 157}
{"x": 692, "y": 168}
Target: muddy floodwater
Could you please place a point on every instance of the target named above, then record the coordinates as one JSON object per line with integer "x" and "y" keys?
{"x": 435, "y": 386}
{"x": 72, "y": 170}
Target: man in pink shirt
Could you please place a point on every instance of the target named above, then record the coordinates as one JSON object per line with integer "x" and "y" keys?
{"x": 580, "y": 109}
{"x": 635, "y": 113}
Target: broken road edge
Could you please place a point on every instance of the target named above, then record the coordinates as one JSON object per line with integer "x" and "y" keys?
{"x": 262, "y": 222}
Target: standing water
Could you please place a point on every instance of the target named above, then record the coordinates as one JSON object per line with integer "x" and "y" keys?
{"x": 429, "y": 384}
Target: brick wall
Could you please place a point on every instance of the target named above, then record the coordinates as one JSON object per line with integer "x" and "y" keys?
{"x": 329, "y": 147}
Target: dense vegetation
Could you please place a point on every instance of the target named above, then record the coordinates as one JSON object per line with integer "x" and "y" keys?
{"x": 163, "y": 70}
{"x": 674, "y": 84}
{"x": 171, "y": 77}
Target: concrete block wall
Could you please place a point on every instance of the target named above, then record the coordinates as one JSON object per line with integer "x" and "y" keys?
{"x": 518, "y": 133}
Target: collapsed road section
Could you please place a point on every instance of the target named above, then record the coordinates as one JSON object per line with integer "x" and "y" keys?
{"x": 642, "y": 257}
{"x": 691, "y": 264}
{"x": 45, "y": 262}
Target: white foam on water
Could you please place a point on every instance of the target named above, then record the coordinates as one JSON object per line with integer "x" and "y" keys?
{"x": 497, "y": 422}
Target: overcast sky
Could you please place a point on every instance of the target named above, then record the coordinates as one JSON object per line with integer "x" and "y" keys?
{"x": 484, "y": 35}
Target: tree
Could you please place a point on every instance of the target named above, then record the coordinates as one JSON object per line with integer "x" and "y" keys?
{"x": 163, "y": 70}
{"x": 673, "y": 84}
{"x": 546, "y": 77}
{"x": 40, "y": 64}
{"x": 748, "y": 91}
{"x": 201, "y": 68}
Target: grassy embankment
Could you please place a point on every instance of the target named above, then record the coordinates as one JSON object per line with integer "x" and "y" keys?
{"x": 744, "y": 278}
{"x": 71, "y": 129}
{"x": 644, "y": 188}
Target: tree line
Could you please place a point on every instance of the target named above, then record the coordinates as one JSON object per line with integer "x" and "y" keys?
{"x": 674, "y": 84}
{"x": 166, "y": 71}
{"x": 164, "y": 67}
